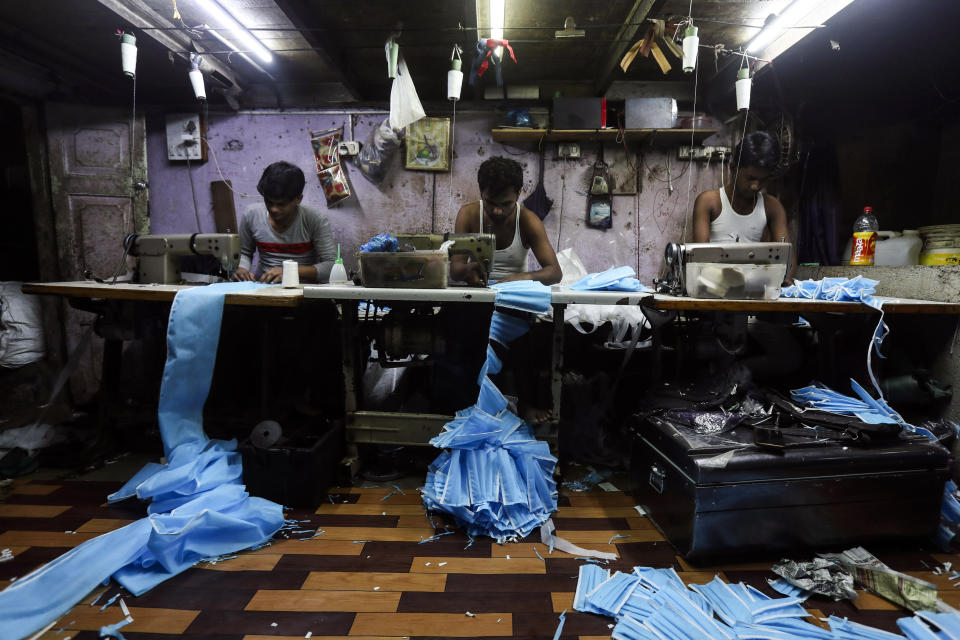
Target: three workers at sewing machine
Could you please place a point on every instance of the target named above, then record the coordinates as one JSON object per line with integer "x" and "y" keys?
{"x": 741, "y": 211}
{"x": 517, "y": 229}
{"x": 282, "y": 228}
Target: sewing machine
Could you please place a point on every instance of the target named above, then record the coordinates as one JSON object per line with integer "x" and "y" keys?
{"x": 158, "y": 255}
{"x": 478, "y": 247}
{"x": 733, "y": 270}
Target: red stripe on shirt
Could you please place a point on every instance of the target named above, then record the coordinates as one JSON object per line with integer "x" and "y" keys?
{"x": 275, "y": 247}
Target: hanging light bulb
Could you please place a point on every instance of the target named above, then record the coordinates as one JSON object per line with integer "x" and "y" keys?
{"x": 743, "y": 89}
{"x": 196, "y": 77}
{"x": 454, "y": 75}
{"x": 691, "y": 45}
{"x": 128, "y": 54}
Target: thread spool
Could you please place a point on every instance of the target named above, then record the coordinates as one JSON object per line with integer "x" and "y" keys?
{"x": 128, "y": 54}
{"x": 291, "y": 274}
{"x": 454, "y": 80}
{"x": 196, "y": 77}
{"x": 691, "y": 46}
{"x": 743, "y": 85}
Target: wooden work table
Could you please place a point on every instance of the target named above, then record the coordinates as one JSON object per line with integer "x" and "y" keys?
{"x": 279, "y": 297}
{"x": 265, "y": 297}
{"x": 396, "y": 428}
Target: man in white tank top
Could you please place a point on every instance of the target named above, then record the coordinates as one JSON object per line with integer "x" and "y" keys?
{"x": 742, "y": 212}
{"x": 517, "y": 229}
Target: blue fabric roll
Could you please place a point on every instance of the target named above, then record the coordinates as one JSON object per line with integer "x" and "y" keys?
{"x": 494, "y": 477}
{"x": 200, "y": 507}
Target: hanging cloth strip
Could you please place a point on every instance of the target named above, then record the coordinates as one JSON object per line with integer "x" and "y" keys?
{"x": 200, "y": 506}
{"x": 484, "y": 57}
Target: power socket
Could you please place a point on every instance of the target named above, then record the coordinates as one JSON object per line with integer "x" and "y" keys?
{"x": 569, "y": 150}
{"x": 348, "y": 148}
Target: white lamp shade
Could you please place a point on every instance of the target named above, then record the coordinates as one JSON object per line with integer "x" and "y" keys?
{"x": 196, "y": 81}
{"x": 128, "y": 58}
{"x": 743, "y": 93}
{"x": 454, "y": 83}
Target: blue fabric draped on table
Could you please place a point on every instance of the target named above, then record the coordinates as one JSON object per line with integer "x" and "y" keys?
{"x": 494, "y": 477}
{"x": 200, "y": 507}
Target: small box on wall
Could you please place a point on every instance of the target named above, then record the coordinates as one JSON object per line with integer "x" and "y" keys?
{"x": 651, "y": 113}
{"x": 186, "y": 133}
{"x": 579, "y": 113}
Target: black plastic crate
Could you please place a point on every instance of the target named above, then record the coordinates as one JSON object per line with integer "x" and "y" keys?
{"x": 297, "y": 475}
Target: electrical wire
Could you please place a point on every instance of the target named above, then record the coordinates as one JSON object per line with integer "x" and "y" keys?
{"x": 453, "y": 130}
{"x": 193, "y": 193}
{"x": 563, "y": 189}
{"x": 459, "y": 28}
{"x": 217, "y": 164}
{"x": 687, "y": 214}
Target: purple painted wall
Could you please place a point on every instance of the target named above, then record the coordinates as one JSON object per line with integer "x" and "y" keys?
{"x": 417, "y": 201}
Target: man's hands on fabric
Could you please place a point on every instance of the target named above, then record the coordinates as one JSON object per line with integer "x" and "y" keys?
{"x": 272, "y": 276}
{"x": 242, "y": 274}
{"x": 470, "y": 272}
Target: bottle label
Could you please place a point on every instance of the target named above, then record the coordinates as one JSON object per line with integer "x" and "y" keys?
{"x": 864, "y": 248}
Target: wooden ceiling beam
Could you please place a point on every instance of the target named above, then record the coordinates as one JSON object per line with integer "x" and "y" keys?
{"x": 607, "y": 72}
{"x": 334, "y": 59}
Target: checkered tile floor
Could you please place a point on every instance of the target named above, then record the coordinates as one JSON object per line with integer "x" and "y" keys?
{"x": 367, "y": 576}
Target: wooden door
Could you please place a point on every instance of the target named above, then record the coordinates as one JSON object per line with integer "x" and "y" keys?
{"x": 98, "y": 176}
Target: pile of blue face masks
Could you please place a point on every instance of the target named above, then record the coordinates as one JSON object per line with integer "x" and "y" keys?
{"x": 868, "y": 409}
{"x": 834, "y": 289}
{"x": 616, "y": 279}
{"x": 494, "y": 477}
{"x": 381, "y": 243}
{"x": 199, "y": 508}
{"x": 655, "y": 604}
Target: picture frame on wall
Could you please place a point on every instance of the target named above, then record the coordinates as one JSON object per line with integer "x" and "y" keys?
{"x": 428, "y": 145}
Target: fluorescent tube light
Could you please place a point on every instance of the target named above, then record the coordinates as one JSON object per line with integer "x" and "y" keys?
{"x": 788, "y": 18}
{"x": 496, "y": 19}
{"x": 222, "y": 17}
{"x": 496, "y": 24}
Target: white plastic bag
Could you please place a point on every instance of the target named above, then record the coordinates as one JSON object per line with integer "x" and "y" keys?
{"x": 572, "y": 267}
{"x": 405, "y": 107}
{"x": 587, "y": 318}
{"x": 21, "y": 327}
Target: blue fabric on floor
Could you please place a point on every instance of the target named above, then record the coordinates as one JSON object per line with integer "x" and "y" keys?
{"x": 654, "y": 604}
{"x": 200, "y": 507}
{"x": 493, "y": 476}
{"x": 616, "y": 279}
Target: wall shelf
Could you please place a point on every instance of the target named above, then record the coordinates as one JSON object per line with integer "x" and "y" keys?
{"x": 676, "y": 136}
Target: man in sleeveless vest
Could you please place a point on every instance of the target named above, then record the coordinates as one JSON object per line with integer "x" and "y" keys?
{"x": 741, "y": 212}
{"x": 517, "y": 229}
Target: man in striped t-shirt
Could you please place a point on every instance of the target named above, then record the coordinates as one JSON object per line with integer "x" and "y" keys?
{"x": 282, "y": 229}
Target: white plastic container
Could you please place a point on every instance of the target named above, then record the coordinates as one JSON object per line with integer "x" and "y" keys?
{"x": 899, "y": 250}
{"x": 734, "y": 281}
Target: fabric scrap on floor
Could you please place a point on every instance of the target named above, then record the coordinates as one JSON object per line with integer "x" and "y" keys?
{"x": 200, "y": 506}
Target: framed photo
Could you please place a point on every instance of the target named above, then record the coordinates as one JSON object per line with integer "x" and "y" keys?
{"x": 428, "y": 145}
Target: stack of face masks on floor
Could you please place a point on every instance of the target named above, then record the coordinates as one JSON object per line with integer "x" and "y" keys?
{"x": 200, "y": 507}
{"x": 494, "y": 477}
{"x": 655, "y": 604}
